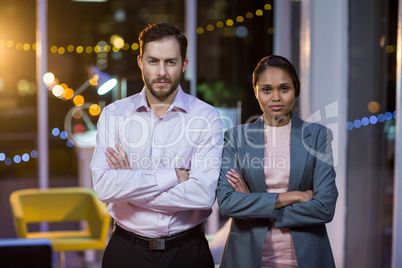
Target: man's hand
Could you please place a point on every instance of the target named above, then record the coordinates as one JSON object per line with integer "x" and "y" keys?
{"x": 182, "y": 174}
{"x": 117, "y": 160}
{"x": 237, "y": 182}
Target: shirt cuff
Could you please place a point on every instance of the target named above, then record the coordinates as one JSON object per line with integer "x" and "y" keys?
{"x": 166, "y": 178}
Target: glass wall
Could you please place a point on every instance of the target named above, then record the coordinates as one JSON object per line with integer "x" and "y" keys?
{"x": 371, "y": 130}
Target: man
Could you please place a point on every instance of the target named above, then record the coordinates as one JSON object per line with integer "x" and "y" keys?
{"x": 157, "y": 162}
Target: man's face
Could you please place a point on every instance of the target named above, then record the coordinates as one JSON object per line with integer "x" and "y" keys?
{"x": 162, "y": 67}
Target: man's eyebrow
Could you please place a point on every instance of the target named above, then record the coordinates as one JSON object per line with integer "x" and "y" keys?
{"x": 167, "y": 59}
{"x": 151, "y": 58}
{"x": 171, "y": 59}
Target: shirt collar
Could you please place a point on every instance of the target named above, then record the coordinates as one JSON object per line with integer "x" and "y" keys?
{"x": 179, "y": 102}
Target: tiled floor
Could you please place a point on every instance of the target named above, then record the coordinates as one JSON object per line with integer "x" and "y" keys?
{"x": 72, "y": 259}
{"x": 78, "y": 260}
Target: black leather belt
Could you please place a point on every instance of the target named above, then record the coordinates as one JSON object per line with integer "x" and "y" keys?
{"x": 160, "y": 243}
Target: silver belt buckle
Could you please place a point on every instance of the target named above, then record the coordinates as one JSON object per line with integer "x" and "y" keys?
{"x": 156, "y": 244}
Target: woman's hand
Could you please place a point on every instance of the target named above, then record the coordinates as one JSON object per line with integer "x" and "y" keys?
{"x": 237, "y": 181}
{"x": 306, "y": 196}
{"x": 117, "y": 160}
{"x": 288, "y": 198}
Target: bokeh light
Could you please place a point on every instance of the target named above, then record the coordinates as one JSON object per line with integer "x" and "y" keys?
{"x": 58, "y": 90}
{"x": 25, "y": 157}
{"x": 48, "y": 78}
{"x": 79, "y": 129}
{"x": 381, "y": 118}
{"x": 388, "y": 115}
{"x": 365, "y": 121}
{"x": 53, "y": 49}
{"x": 78, "y": 100}
{"x": 94, "y": 80}
{"x": 8, "y": 161}
{"x": 97, "y": 49}
{"x": 17, "y": 159}
{"x": 34, "y": 154}
{"x": 135, "y": 46}
{"x": 117, "y": 41}
{"x": 94, "y": 109}
{"x": 373, "y": 119}
{"x": 68, "y": 93}
{"x": 229, "y": 22}
{"x": 70, "y": 143}
{"x": 259, "y": 12}
{"x": 241, "y": 31}
{"x": 220, "y": 24}
{"x": 374, "y": 107}
{"x": 63, "y": 135}
{"x": 357, "y": 123}
{"x": 55, "y": 131}
{"x": 349, "y": 125}
{"x": 79, "y": 49}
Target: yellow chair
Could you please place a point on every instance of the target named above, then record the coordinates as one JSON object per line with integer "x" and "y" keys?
{"x": 72, "y": 204}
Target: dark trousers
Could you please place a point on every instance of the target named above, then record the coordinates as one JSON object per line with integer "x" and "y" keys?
{"x": 121, "y": 252}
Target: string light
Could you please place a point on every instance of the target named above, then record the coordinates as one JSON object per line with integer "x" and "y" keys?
{"x": 79, "y": 128}
{"x": 118, "y": 43}
{"x": 28, "y": 156}
{"x": 365, "y": 121}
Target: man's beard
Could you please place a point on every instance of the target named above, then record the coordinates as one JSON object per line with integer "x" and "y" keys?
{"x": 162, "y": 95}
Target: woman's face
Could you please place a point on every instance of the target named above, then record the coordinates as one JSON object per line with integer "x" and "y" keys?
{"x": 275, "y": 93}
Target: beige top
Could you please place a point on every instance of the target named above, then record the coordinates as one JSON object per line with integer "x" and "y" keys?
{"x": 278, "y": 249}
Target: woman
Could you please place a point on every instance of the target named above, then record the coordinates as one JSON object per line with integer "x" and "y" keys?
{"x": 277, "y": 180}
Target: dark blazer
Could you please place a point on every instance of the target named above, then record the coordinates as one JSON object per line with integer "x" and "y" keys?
{"x": 311, "y": 168}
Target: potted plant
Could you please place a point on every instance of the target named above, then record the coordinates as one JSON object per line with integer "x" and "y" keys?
{"x": 225, "y": 97}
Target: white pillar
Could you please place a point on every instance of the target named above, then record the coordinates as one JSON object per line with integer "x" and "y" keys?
{"x": 191, "y": 33}
{"x": 41, "y": 69}
{"x": 283, "y": 28}
{"x": 397, "y": 217}
{"x": 323, "y": 94}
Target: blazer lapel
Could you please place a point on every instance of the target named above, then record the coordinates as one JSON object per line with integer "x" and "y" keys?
{"x": 255, "y": 142}
{"x": 299, "y": 142}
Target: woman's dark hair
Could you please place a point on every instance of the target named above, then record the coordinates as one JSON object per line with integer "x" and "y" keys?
{"x": 159, "y": 31}
{"x": 276, "y": 61}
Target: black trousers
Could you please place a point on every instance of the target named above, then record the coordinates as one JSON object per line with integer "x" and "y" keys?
{"x": 121, "y": 253}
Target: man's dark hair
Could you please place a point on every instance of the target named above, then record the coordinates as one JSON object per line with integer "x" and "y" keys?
{"x": 276, "y": 61}
{"x": 160, "y": 31}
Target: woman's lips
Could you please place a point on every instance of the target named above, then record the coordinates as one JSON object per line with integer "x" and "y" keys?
{"x": 276, "y": 107}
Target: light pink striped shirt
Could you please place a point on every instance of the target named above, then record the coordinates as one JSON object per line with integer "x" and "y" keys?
{"x": 148, "y": 200}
